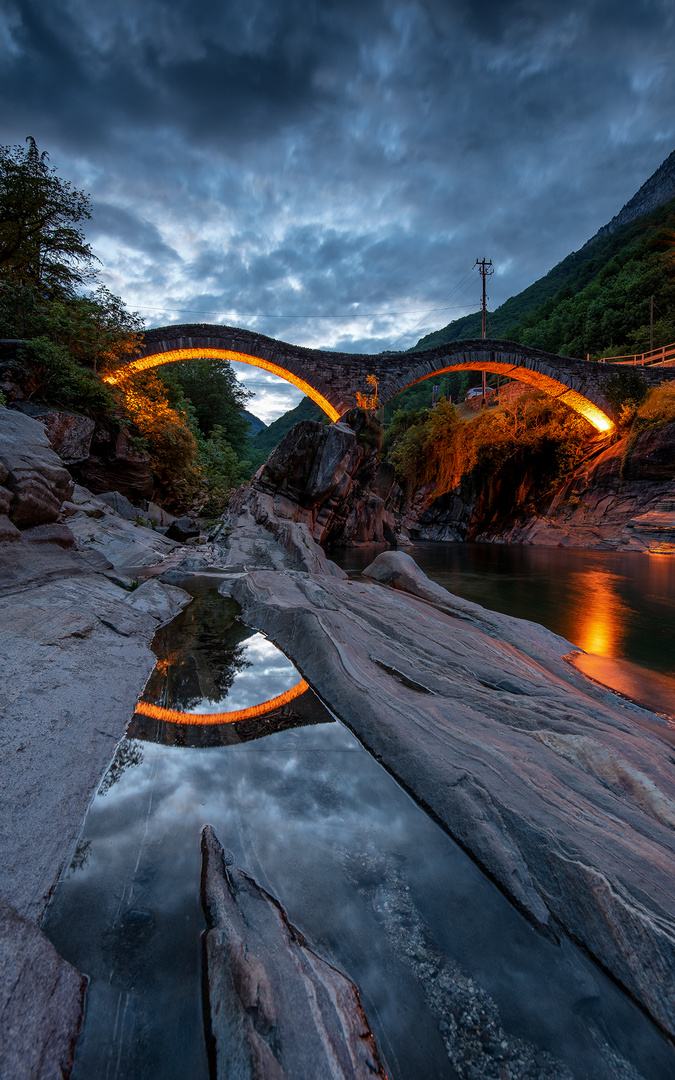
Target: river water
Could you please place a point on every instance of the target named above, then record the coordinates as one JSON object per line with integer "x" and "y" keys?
{"x": 375, "y": 885}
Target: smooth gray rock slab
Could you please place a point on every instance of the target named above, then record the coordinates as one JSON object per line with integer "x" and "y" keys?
{"x": 551, "y": 782}
{"x": 33, "y": 472}
{"x": 74, "y": 657}
{"x": 277, "y": 1010}
{"x": 41, "y": 998}
{"x": 120, "y": 504}
{"x": 124, "y": 543}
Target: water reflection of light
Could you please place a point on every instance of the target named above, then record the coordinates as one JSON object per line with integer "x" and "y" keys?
{"x": 600, "y": 618}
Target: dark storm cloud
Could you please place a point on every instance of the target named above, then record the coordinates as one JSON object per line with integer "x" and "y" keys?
{"x": 339, "y": 158}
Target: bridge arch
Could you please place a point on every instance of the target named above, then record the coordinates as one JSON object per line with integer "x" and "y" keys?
{"x": 175, "y": 356}
{"x": 595, "y": 416}
{"x": 333, "y": 379}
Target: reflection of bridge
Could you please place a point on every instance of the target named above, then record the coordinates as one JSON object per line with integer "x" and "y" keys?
{"x": 333, "y": 379}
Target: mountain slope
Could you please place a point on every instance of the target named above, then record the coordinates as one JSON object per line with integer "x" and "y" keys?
{"x": 650, "y": 211}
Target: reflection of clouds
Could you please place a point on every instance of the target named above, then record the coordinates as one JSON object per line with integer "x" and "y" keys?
{"x": 291, "y": 808}
{"x": 268, "y": 674}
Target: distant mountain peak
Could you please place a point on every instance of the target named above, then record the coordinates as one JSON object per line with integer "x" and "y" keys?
{"x": 655, "y": 192}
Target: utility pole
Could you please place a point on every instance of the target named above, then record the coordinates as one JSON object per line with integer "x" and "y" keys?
{"x": 483, "y": 265}
{"x": 651, "y": 324}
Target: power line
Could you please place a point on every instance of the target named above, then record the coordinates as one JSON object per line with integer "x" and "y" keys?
{"x": 440, "y": 307}
{"x": 259, "y": 315}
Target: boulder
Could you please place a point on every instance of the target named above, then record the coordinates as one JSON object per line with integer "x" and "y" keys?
{"x": 277, "y": 1010}
{"x": 326, "y": 481}
{"x": 157, "y": 515}
{"x": 120, "y": 504}
{"x": 41, "y": 1000}
{"x": 31, "y": 471}
{"x": 116, "y": 464}
{"x": 69, "y": 433}
{"x": 182, "y": 529}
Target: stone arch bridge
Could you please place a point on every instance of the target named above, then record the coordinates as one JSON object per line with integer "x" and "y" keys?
{"x": 333, "y": 379}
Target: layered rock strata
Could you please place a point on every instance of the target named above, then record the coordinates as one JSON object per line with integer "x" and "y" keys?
{"x": 552, "y": 783}
{"x": 75, "y": 655}
{"x": 277, "y": 1010}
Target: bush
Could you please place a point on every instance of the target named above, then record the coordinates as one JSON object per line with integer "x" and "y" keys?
{"x": 625, "y": 388}
{"x": 53, "y": 376}
{"x": 659, "y": 405}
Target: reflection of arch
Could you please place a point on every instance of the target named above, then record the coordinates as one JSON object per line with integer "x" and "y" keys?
{"x": 334, "y": 379}
{"x": 160, "y": 713}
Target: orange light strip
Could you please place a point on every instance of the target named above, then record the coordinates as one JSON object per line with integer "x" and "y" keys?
{"x": 158, "y": 713}
{"x": 176, "y": 355}
{"x": 595, "y": 416}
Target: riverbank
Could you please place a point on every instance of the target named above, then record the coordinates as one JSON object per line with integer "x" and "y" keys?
{"x": 549, "y": 781}
{"x": 558, "y": 788}
{"x": 75, "y": 635}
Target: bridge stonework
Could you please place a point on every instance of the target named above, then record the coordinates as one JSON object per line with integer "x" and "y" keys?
{"x": 333, "y": 379}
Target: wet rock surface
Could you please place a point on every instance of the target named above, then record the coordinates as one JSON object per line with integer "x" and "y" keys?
{"x": 277, "y": 1010}
{"x": 548, "y": 780}
{"x": 41, "y": 998}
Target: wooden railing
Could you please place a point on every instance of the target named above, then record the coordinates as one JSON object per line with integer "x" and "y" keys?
{"x": 664, "y": 355}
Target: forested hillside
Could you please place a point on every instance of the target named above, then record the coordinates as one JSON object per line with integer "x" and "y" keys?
{"x": 596, "y": 301}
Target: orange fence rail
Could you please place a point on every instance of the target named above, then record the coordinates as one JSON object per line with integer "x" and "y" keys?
{"x": 664, "y": 355}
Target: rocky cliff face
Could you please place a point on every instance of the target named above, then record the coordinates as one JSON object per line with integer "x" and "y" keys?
{"x": 655, "y": 192}
{"x": 622, "y": 497}
{"x": 321, "y": 486}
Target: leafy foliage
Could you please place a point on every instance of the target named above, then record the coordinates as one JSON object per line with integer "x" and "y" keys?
{"x": 217, "y": 398}
{"x": 55, "y": 377}
{"x": 537, "y": 438}
{"x": 625, "y": 388}
{"x": 41, "y": 243}
{"x": 658, "y": 406}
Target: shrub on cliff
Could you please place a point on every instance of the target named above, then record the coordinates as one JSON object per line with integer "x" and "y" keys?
{"x": 658, "y": 406}
{"x": 528, "y": 446}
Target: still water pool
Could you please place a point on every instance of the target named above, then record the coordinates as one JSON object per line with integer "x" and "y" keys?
{"x": 372, "y": 882}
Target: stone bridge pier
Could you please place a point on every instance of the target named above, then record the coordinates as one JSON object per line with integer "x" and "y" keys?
{"x": 333, "y": 379}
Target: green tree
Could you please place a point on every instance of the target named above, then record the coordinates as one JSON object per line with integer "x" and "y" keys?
{"x": 217, "y": 397}
{"x": 41, "y": 242}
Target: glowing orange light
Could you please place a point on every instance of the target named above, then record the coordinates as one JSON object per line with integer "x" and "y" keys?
{"x": 176, "y": 355}
{"x": 595, "y": 416}
{"x": 601, "y": 616}
{"x": 158, "y": 713}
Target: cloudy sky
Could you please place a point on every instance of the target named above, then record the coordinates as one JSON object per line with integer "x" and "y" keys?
{"x": 328, "y": 171}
